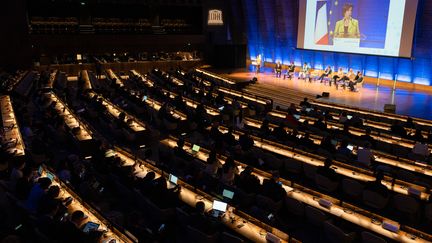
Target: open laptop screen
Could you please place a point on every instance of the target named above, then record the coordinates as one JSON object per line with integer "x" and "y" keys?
{"x": 219, "y": 206}
{"x": 228, "y": 194}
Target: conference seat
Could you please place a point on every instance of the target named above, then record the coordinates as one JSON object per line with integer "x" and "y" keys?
{"x": 196, "y": 236}
{"x": 335, "y": 234}
{"x": 406, "y": 208}
{"x": 368, "y": 237}
{"x": 160, "y": 215}
{"x": 182, "y": 218}
{"x": 374, "y": 200}
{"x": 309, "y": 171}
{"x": 294, "y": 207}
{"x": 267, "y": 203}
{"x": 292, "y": 166}
{"x": 315, "y": 216}
{"x": 352, "y": 188}
{"x": 229, "y": 238}
{"x": 326, "y": 184}
{"x": 428, "y": 213}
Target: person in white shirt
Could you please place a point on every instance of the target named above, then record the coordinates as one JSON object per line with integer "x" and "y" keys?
{"x": 365, "y": 155}
{"x": 304, "y": 74}
{"x": 421, "y": 148}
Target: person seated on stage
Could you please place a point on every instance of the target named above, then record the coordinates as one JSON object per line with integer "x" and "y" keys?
{"x": 357, "y": 80}
{"x": 340, "y": 74}
{"x": 304, "y": 73}
{"x": 347, "y": 77}
{"x": 278, "y": 69}
{"x": 290, "y": 71}
{"x": 258, "y": 64}
{"x": 326, "y": 73}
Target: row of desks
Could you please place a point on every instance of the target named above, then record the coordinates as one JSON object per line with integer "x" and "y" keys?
{"x": 340, "y": 168}
{"x": 345, "y": 215}
{"x": 237, "y": 221}
{"x": 135, "y": 125}
{"x": 384, "y": 137}
{"x": 86, "y": 79}
{"x": 381, "y": 157}
{"x": 71, "y": 120}
{"x": 112, "y": 76}
{"x": 110, "y": 232}
{"x": 377, "y": 114}
{"x": 338, "y": 208}
{"x": 12, "y": 134}
{"x": 371, "y": 113}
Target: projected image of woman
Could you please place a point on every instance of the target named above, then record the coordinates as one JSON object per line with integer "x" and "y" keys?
{"x": 347, "y": 27}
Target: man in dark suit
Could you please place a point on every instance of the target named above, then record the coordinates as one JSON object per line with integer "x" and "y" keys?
{"x": 357, "y": 80}
{"x": 290, "y": 71}
{"x": 326, "y": 73}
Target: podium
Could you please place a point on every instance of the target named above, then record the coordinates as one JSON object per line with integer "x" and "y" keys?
{"x": 346, "y": 42}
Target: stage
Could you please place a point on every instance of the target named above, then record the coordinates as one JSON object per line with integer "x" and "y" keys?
{"x": 408, "y": 101}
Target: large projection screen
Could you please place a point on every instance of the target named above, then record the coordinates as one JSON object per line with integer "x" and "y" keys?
{"x": 373, "y": 27}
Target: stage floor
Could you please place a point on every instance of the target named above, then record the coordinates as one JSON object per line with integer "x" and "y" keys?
{"x": 408, "y": 102}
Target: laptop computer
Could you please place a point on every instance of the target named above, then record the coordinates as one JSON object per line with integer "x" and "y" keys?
{"x": 350, "y": 147}
{"x": 219, "y": 208}
{"x": 308, "y": 109}
{"x": 349, "y": 117}
{"x": 50, "y": 176}
{"x": 173, "y": 180}
{"x": 297, "y": 117}
{"x": 228, "y": 194}
{"x": 195, "y": 148}
{"x": 90, "y": 226}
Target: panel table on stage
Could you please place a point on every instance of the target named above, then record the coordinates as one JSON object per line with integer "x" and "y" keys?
{"x": 356, "y": 173}
{"x": 380, "y": 157}
{"x": 234, "y": 219}
{"x": 335, "y": 207}
{"x": 110, "y": 232}
{"x": 12, "y": 138}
